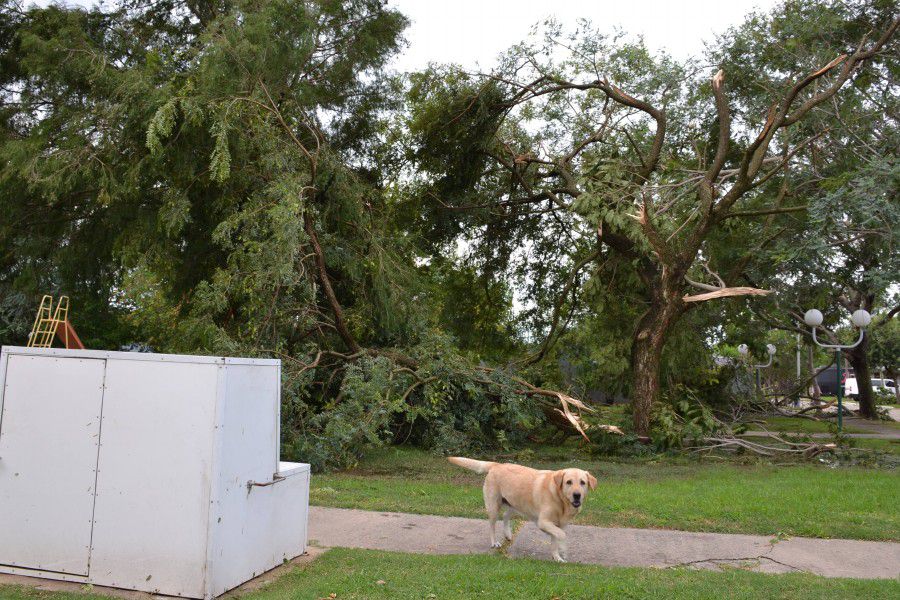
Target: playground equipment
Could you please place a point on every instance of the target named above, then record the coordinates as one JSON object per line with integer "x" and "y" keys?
{"x": 150, "y": 472}
{"x": 53, "y": 322}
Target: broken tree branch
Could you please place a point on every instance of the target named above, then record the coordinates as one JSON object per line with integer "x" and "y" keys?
{"x": 725, "y": 293}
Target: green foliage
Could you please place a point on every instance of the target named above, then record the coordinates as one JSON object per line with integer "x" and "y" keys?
{"x": 475, "y": 309}
{"x": 680, "y": 419}
{"x": 440, "y": 406}
{"x": 166, "y": 175}
{"x": 359, "y": 417}
{"x": 839, "y": 254}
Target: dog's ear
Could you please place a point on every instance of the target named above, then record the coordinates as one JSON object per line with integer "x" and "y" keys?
{"x": 558, "y": 477}
{"x": 592, "y": 482}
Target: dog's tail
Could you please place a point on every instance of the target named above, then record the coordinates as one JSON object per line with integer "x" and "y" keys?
{"x": 479, "y": 466}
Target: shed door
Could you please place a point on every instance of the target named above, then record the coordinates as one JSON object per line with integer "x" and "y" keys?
{"x": 49, "y": 440}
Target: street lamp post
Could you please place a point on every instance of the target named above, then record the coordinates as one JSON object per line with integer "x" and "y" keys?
{"x": 860, "y": 320}
{"x": 744, "y": 350}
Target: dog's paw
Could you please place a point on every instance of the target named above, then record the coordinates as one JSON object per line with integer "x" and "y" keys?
{"x": 496, "y": 544}
{"x": 559, "y": 559}
{"x": 508, "y": 534}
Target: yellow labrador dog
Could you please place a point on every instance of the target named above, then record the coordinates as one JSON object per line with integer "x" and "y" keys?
{"x": 549, "y": 498}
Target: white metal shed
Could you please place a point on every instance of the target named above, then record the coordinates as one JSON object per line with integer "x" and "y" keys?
{"x": 150, "y": 472}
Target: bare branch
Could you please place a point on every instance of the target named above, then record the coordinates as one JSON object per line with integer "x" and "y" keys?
{"x": 713, "y": 274}
{"x": 617, "y": 94}
{"x": 702, "y": 286}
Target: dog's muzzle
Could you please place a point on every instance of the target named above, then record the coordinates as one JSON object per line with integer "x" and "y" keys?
{"x": 576, "y": 500}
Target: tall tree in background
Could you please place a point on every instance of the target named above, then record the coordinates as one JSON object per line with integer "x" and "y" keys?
{"x": 608, "y": 158}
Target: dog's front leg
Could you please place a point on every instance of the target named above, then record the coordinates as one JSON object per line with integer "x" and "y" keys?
{"x": 559, "y": 548}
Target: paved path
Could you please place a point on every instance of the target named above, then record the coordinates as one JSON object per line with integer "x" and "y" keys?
{"x": 618, "y": 547}
{"x": 884, "y": 429}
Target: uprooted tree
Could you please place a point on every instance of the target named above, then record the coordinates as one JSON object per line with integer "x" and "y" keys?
{"x": 588, "y": 153}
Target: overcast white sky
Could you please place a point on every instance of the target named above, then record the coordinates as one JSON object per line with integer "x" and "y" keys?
{"x": 476, "y": 31}
{"x": 470, "y": 32}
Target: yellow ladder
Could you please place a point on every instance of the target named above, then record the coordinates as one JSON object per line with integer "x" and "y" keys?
{"x": 47, "y": 321}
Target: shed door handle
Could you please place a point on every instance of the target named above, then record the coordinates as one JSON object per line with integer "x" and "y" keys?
{"x": 275, "y": 479}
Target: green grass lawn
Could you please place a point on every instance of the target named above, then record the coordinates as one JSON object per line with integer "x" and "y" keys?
{"x": 367, "y": 574}
{"x": 796, "y": 499}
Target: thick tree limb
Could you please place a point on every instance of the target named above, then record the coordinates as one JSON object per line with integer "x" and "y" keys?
{"x": 724, "y": 117}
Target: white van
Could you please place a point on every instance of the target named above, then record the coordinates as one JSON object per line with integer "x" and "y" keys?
{"x": 879, "y": 386}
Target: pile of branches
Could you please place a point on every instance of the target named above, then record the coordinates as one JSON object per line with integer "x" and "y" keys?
{"x": 729, "y": 435}
{"x": 784, "y": 447}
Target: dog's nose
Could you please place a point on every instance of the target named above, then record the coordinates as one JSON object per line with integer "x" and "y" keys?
{"x": 576, "y": 496}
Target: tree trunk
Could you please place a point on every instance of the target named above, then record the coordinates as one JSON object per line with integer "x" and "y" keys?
{"x": 858, "y": 357}
{"x": 645, "y": 360}
{"x": 646, "y": 356}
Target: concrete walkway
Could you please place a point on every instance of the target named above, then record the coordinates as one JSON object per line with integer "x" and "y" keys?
{"x": 619, "y": 547}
